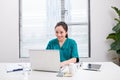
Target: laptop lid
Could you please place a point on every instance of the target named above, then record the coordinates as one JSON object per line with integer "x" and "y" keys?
{"x": 45, "y": 60}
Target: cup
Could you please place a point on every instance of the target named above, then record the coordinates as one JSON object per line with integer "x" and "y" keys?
{"x": 72, "y": 68}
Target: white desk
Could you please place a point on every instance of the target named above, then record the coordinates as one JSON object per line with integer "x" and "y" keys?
{"x": 109, "y": 71}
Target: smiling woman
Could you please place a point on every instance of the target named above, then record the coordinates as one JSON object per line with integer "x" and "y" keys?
{"x": 38, "y": 17}
{"x": 66, "y": 46}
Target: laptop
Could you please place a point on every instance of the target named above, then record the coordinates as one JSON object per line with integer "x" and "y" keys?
{"x": 45, "y": 60}
{"x": 92, "y": 67}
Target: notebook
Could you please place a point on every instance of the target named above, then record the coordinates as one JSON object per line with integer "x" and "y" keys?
{"x": 92, "y": 67}
{"x": 45, "y": 60}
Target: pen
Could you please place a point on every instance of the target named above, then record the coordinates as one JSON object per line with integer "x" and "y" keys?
{"x": 14, "y": 70}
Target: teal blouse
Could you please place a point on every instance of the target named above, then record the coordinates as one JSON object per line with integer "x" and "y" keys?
{"x": 68, "y": 49}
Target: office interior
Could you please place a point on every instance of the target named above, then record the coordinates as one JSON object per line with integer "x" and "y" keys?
{"x": 101, "y": 23}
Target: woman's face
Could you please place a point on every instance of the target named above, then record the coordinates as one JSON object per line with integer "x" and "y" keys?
{"x": 60, "y": 33}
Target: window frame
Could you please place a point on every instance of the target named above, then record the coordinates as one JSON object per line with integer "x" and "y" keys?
{"x": 89, "y": 29}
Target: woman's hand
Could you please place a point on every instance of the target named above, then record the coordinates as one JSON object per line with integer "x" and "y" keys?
{"x": 67, "y": 62}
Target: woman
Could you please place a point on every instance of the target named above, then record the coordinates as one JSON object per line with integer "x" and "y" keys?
{"x": 67, "y": 46}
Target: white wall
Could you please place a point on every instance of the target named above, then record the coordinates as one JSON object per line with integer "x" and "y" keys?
{"x": 101, "y": 24}
{"x": 9, "y": 30}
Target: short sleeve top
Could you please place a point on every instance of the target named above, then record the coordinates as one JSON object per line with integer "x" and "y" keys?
{"x": 68, "y": 49}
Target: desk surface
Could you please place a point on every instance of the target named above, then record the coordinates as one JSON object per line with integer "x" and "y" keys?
{"x": 108, "y": 71}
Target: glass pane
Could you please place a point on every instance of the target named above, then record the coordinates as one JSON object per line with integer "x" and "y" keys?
{"x": 33, "y": 25}
{"x": 79, "y": 11}
{"x": 80, "y": 34}
{"x": 76, "y": 11}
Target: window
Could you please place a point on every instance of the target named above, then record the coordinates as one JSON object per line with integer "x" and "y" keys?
{"x": 38, "y": 18}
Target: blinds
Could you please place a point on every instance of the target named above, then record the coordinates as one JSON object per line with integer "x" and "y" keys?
{"x": 38, "y": 18}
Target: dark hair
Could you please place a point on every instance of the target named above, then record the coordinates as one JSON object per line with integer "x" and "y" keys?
{"x": 64, "y": 25}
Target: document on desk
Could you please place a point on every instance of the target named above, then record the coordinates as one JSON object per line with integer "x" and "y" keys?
{"x": 14, "y": 68}
{"x": 92, "y": 67}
